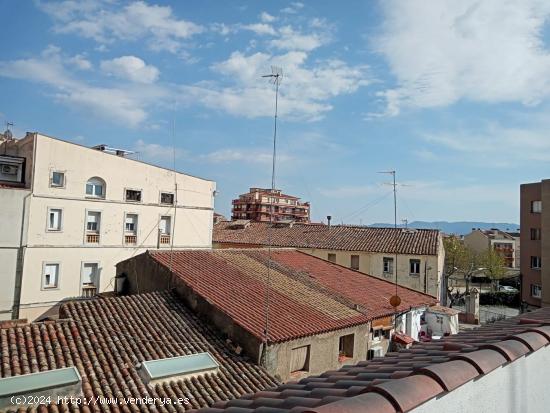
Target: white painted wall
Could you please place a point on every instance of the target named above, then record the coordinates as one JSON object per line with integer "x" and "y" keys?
{"x": 192, "y": 227}
{"x": 520, "y": 386}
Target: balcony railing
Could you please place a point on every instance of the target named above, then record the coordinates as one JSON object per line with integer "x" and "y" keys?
{"x": 130, "y": 239}
{"x": 92, "y": 238}
{"x": 89, "y": 290}
{"x": 164, "y": 239}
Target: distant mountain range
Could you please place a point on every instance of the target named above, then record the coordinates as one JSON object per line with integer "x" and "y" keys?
{"x": 459, "y": 228}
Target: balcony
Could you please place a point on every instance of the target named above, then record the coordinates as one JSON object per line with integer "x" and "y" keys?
{"x": 92, "y": 238}
{"x": 89, "y": 290}
{"x": 130, "y": 239}
{"x": 164, "y": 239}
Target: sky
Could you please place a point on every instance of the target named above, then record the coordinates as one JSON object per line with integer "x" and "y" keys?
{"x": 454, "y": 96}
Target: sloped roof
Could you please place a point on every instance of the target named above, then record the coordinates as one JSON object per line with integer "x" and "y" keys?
{"x": 105, "y": 338}
{"x": 308, "y": 295}
{"x": 335, "y": 237}
{"x": 403, "y": 380}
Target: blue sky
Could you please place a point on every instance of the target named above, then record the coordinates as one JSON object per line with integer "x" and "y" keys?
{"x": 453, "y": 95}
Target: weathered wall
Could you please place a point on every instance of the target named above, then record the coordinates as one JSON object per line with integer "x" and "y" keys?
{"x": 520, "y": 386}
{"x": 529, "y": 247}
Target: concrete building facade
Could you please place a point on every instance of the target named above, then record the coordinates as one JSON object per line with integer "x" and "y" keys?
{"x": 502, "y": 242}
{"x": 77, "y": 211}
{"x": 535, "y": 243}
{"x": 266, "y": 205}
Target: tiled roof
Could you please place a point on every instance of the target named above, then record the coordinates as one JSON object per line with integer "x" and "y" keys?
{"x": 105, "y": 338}
{"x": 323, "y": 294}
{"x": 336, "y": 237}
{"x": 402, "y": 380}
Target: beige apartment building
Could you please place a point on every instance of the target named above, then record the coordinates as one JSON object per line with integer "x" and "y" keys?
{"x": 505, "y": 243}
{"x": 535, "y": 243}
{"x": 415, "y": 256}
{"x": 70, "y": 213}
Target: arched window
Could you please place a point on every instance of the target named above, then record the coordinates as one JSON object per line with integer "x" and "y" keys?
{"x": 95, "y": 187}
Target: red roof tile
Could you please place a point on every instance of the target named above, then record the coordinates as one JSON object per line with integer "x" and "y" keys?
{"x": 105, "y": 338}
{"x": 431, "y": 369}
{"x": 324, "y": 295}
{"x": 336, "y": 237}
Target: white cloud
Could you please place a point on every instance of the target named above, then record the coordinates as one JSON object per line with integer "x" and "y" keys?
{"x": 260, "y": 28}
{"x": 497, "y": 145}
{"x": 293, "y": 8}
{"x": 132, "y": 68}
{"x": 442, "y": 52}
{"x": 247, "y": 155}
{"x": 156, "y": 152}
{"x": 289, "y": 39}
{"x": 266, "y": 17}
{"x": 51, "y": 68}
{"x": 304, "y": 93}
{"x": 104, "y": 23}
{"x": 80, "y": 62}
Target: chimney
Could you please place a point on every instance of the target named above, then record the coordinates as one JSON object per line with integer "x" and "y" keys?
{"x": 329, "y": 217}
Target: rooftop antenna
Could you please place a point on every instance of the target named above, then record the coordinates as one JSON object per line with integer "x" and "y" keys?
{"x": 394, "y": 300}
{"x": 275, "y": 78}
{"x": 405, "y": 222}
{"x": 8, "y": 136}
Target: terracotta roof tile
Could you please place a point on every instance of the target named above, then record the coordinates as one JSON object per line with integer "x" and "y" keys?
{"x": 324, "y": 294}
{"x": 336, "y": 237}
{"x": 104, "y": 338}
{"x": 433, "y": 368}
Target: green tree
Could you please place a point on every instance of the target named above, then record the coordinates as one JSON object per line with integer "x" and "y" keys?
{"x": 494, "y": 264}
{"x": 459, "y": 260}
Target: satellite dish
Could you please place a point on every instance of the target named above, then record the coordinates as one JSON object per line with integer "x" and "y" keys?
{"x": 395, "y": 300}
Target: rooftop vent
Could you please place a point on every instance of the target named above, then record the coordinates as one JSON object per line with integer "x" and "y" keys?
{"x": 240, "y": 224}
{"x": 177, "y": 368}
{"x": 63, "y": 382}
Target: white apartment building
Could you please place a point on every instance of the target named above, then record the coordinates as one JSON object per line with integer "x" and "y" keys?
{"x": 69, "y": 214}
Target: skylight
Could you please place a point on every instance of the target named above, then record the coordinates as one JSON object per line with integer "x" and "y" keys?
{"x": 191, "y": 365}
{"x": 41, "y": 383}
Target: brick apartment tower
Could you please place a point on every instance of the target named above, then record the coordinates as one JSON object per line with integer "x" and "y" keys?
{"x": 535, "y": 242}
{"x": 255, "y": 205}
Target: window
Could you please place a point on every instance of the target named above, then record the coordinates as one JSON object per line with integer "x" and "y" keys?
{"x": 57, "y": 180}
{"x": 130, "y": 224}
{"x": 536, "y": 206}
{"x": 165, "y": 225}
{"x": 54, "y": 219}
{"x": 133, "y": 195}
{"x": 354, "y": 262}
{"x": 95, "y": 187}
{"x": 332, "y": 257}
{"x": 377, "y": 334}
{"x": 535, "y": 234}
{"x": 388, "y": 265}
{"x": 414, "y": 267}
{"x": 299, "y": 359}
{"x": 536, "y": 291}
{"x": 50, "y": 277}
{"x": 345, "y": 346}
{"x": 93, "y": 221}
{"x": 535, "y": 262}
{"x": 167, "y": 198}
{"x": 90, "y": 273}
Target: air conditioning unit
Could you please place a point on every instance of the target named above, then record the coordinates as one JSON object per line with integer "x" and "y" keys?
{"x": 9, "y": 169}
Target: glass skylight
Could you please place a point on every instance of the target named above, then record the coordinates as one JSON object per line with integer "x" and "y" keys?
{"x": 179, "y": 366}
{"x": 33, "y": 382}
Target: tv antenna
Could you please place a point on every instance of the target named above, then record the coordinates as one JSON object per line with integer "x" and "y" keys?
{"x": 394, "y": 300}
{"x": 275, "y": 78}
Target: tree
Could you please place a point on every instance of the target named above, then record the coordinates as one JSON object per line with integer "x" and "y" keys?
{"x": 493, "y": 263}
{"x": 459, "y": 260}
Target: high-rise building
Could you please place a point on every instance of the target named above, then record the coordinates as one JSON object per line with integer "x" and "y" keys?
{"x": 535, "y": 243}
{"x": 257, "y": 204}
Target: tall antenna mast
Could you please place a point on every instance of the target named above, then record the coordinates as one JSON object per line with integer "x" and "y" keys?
{"x": 395, "y": 300}
{"x": 275, "y": 78}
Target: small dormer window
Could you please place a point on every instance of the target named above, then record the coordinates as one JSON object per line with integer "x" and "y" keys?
{"x": 95, "y": 187}
{"x": 176, "y": 368}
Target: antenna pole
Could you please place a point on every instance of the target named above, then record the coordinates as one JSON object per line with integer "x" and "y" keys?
{"x": 275, "y": 132}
